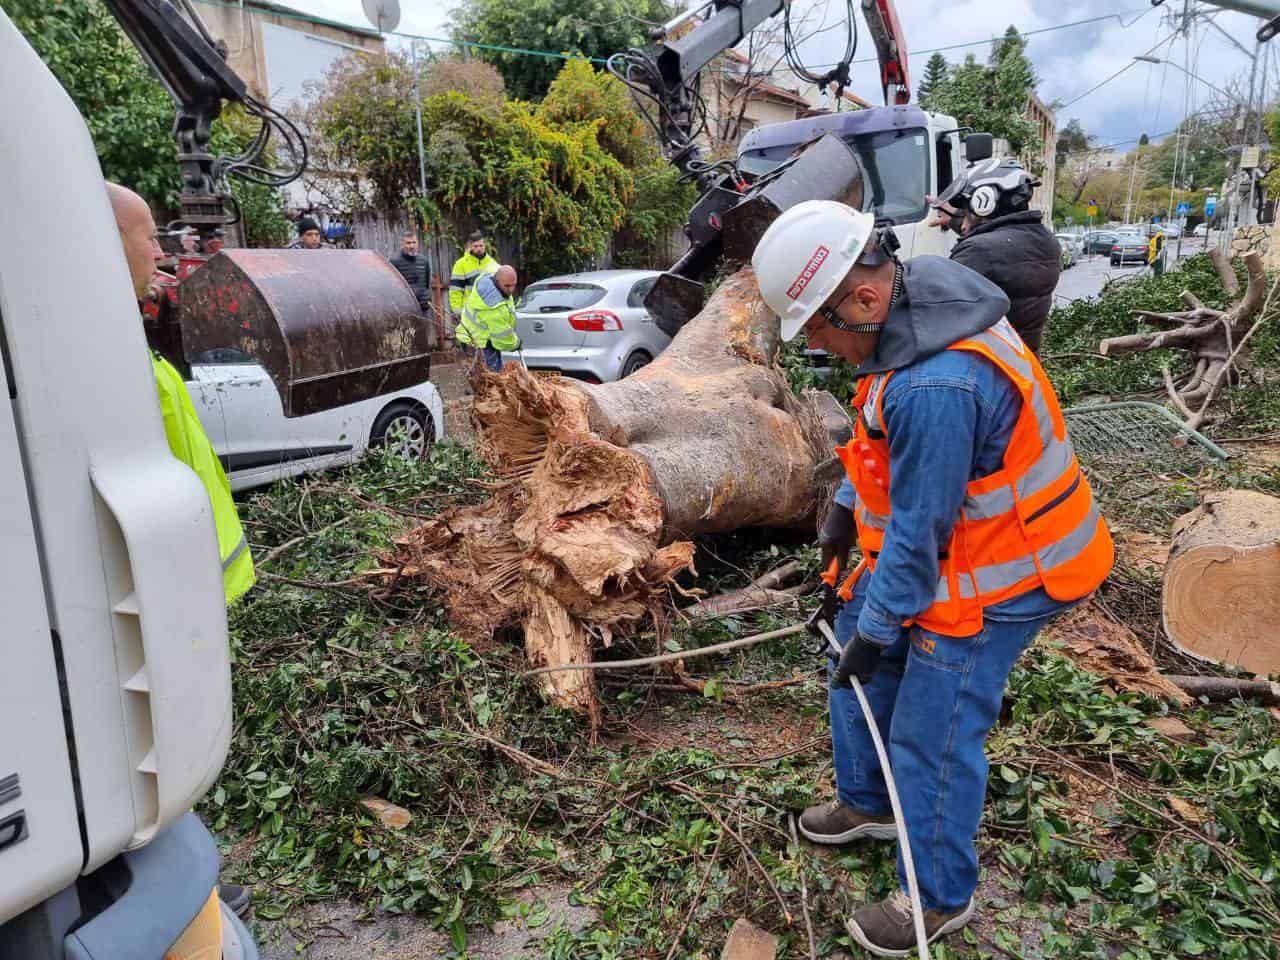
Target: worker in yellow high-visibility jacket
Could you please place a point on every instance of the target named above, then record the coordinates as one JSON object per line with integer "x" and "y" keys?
{"x": 182, "y": 428}
{"x": 475, "y": 262}
{"x": 189, "y": 443}
{"x": 487, "y": 324}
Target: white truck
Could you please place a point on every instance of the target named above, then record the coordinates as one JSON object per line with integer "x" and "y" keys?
{"x": 115, "y": 689}
{"x": 116, "y": 685}
{"x": 886, "y": 160}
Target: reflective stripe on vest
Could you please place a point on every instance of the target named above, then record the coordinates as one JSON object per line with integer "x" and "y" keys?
{"x": 240, "y": 548}
{"x": 477, "y": 329}
{"x": 470, "y": 325}
{"x": 1038, "y": 525}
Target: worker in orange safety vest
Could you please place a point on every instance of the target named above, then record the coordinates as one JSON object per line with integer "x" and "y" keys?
{"x": 976, "y": 527}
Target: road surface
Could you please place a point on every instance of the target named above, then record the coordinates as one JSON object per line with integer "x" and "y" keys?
{"x": 1088, "y": 276}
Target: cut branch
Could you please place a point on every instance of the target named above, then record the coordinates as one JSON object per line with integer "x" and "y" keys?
{"x": 1216, "y": 338}
{"x": 1226, "y": 689}
{"x": 1226, "y": 274}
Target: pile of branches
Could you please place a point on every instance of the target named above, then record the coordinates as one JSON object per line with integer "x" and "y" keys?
{"x": 1217, "y": 338}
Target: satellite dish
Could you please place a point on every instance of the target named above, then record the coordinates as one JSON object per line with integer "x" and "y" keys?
{"x": 383, "y": 14}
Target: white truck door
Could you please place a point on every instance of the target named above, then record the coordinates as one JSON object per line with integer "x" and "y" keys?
{"x": 40, "y": 851}
{"x": 127, "y": 544}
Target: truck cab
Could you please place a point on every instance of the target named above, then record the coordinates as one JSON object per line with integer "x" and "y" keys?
{"x": 906, "y": 153}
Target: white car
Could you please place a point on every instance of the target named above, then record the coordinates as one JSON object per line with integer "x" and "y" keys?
{"x": 241, "y": 411}
{"x": 1200, "y": 230}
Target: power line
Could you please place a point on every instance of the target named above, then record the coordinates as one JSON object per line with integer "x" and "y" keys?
{"x": 1128, "y": 66}
{"x": 1024, "y": 33}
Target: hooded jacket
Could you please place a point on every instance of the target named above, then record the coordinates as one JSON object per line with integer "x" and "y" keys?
{"x": 1019, "y": 255}
{"x": 949, "y": 416}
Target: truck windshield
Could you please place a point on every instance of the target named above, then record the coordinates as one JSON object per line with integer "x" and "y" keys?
{"x": 896, "y": 162}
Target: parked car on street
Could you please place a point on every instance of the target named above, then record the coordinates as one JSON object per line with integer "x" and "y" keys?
{"x": 1201, "y": 230}
{"x": 591, "y": 326}
{"x": 1129, "y": 248}
{"x": 1171, "y": 231}
{"x": 1076, "y": 240}
{"x": 1099, "y": 241}
{"x": 241, "y": 412}
{"x": 1069, "y": 247}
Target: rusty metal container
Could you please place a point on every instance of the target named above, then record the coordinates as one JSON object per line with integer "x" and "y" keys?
{"x": 331, "y": 327}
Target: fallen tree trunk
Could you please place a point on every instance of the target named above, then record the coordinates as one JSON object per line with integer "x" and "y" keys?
{"x": 605, "y": 484}
{"x": 1217, "y": 338}
{"x": 1221, "y": 596}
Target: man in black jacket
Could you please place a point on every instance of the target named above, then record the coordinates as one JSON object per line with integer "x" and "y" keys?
{"x": 1004, "y": 240}
{"x": 415, "y": 269}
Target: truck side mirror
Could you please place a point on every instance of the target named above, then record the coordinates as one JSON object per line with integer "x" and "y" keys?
{"x": 978, "y": 146}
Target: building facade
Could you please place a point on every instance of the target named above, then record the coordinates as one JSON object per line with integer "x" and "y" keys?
{"x": 277, "y": 50}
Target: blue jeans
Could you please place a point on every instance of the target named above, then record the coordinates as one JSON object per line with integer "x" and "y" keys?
{"x": 492, "y": 356}
{"x": 935, "y": 699}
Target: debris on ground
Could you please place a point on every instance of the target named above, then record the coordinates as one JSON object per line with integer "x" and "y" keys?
{"x": 1113, "y": 653}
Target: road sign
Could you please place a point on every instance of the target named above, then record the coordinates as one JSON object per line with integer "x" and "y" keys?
{"x": 1184, "y": 208}
{"x": 1210, "y": 205}
{"x": 1091, "y": 210}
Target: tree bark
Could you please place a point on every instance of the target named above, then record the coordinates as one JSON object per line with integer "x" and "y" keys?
{"x": 1221, "y": 596}
{"x": 1226, "y": 689}
{"x": 604, "y": 485}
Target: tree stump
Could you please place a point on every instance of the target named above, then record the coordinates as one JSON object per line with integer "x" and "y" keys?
{"x": 604, "y": 485}
{"x": 1221, "y": 597}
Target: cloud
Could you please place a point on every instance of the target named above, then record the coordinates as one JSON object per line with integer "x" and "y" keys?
{"x": 1146, "y": 98}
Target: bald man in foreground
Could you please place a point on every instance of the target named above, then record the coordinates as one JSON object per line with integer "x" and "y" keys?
{"x": 487, "y": 323}
{"x": 182, "y": 428}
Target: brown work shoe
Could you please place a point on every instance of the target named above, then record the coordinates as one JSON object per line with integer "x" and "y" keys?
{"x": 833, "y": 823}
{"x": 886, "y": 928}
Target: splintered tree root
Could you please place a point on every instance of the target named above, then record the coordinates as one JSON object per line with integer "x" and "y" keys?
{"x": 603, "y": 487}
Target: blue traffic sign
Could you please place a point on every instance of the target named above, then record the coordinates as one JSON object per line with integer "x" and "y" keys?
{"x": 1184, "y": 208}
{"x": 1210, "y": 205}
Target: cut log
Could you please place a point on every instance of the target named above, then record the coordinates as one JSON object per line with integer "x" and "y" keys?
{"x": 604, "y": 486}
{"x": 1221, "y": 596}
{"x": 740, "y": 601}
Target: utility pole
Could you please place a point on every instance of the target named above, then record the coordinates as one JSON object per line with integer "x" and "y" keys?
{"x": 1233, "y": 209}
{"x": 1257, "y": 128}
{"x": 417, "y": 109}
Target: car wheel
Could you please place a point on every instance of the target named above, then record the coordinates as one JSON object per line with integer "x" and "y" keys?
{"x": 405, "y": 430}
{"x": 634, "y": 362}
{"x": 1115, "y": 262}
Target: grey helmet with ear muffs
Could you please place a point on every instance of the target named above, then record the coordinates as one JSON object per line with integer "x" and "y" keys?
{"x": 991, "y": 188}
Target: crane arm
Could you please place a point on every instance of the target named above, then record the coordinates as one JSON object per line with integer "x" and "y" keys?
{"x": 193, "y": 68}
{"x": 891, "y": 50}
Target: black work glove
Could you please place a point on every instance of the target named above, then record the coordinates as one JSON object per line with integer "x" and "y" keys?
{"x": 858, "y": 659}
{"x": 835, "y": 537}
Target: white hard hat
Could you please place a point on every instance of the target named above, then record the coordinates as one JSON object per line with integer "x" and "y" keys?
{"x": 804, "y": 255}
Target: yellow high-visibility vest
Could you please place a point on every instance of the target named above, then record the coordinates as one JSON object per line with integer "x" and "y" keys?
{"x": 466, "y": 271}
{"x": 481, "y": 325}
{"x": 190, "y": 444}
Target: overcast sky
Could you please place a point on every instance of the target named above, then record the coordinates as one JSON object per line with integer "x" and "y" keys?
{"x": 1146, "y": 98}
